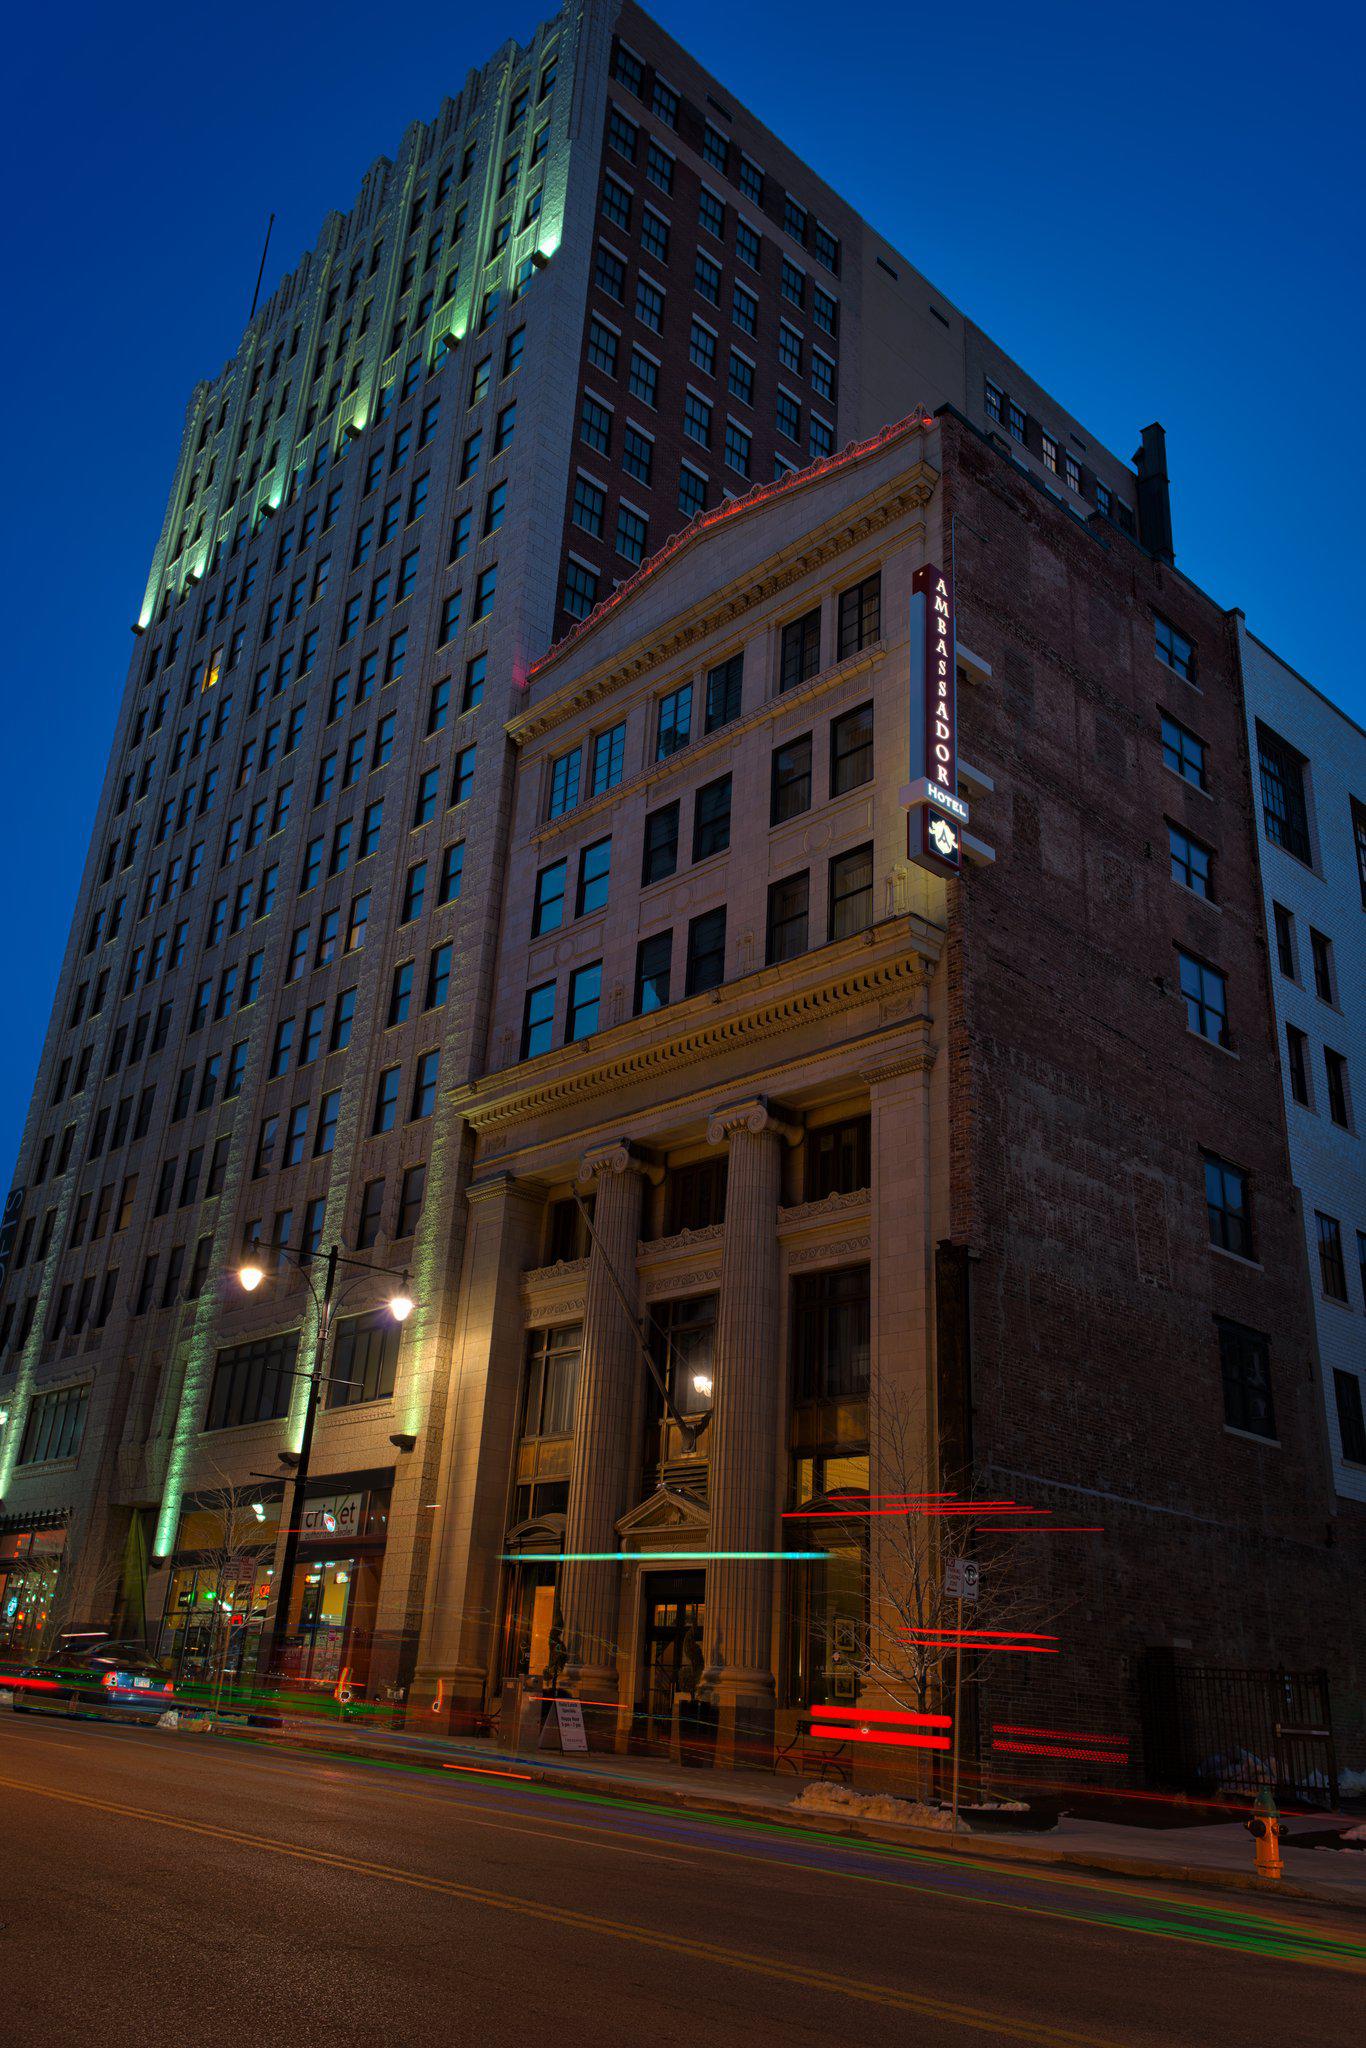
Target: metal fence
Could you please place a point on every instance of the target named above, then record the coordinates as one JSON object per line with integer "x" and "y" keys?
{"x": 1208, "y": 1731}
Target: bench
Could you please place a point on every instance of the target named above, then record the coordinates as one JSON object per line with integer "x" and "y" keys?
{"x": 809, "y": 1755}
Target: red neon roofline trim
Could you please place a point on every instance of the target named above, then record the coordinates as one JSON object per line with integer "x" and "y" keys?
{"x": 915, "y": 422}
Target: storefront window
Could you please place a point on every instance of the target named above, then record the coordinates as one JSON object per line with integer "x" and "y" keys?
{"x": 30, "y": 1561}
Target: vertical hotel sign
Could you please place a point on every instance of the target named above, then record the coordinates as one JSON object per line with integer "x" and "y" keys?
{"x": 937, "y": 812}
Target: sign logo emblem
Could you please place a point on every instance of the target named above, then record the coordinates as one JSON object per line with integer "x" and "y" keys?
{"x": 942, "y": 838}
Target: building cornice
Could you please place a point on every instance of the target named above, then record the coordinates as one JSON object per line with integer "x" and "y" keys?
{"x": 910, "y": 490}
{"x": 759, "y": 1006}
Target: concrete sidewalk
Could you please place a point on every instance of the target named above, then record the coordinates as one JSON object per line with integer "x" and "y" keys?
{"x": 1218, "y": 1855}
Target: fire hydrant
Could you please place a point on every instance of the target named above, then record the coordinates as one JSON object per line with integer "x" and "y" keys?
{"x": 1264, "y": 1826}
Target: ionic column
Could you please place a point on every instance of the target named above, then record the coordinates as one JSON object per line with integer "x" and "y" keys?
{"x": 601, "y": 1482}
{"x": 748, "y": 1376}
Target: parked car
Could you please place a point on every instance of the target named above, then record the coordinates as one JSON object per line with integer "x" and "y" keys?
{"x": 116, "y": 1677}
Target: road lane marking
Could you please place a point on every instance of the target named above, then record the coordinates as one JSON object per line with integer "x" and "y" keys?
{"x": 1214, "y": 1926}
{"x": 1044, "y": 2033}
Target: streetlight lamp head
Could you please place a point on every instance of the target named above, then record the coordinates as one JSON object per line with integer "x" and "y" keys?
{"x": 401, "y": 1303}
{"x": 251, "y": 1275}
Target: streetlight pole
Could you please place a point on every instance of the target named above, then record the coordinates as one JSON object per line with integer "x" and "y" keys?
{"x": 401, "y": 1307}
{"x": 293, "y": 1527}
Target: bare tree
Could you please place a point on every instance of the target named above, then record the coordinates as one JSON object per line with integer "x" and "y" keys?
{"x": 72, "y": 1593}
{"x": 234, "y": 1558}
{"x": 915, "y": 1545}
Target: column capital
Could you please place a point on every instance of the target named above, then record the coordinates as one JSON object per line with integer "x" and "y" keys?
{"x": 752, "y": 1115}
{"x": 621, "y": 1156}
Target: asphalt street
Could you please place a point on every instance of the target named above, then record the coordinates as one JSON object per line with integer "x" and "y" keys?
{"x": 167, "y": 1888}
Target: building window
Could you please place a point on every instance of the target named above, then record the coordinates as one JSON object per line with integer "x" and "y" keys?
{"x": 1332, "y": 1267}
{"x": 692, "y": 491}
{"x": 644, "y": 378}
{"x": 547, "y": 914}
{"x": 609, "y": 759}
{"x": 653, "y": 960}
{"x": 654, "y": 235}
{"x": 1228, "y": 1206}
{"x": 364, "y": 1359}
{"x": 595, "y": 867}
{"x": 616, "y": 207}
{"x": 706, "y": 952}
{"x": 789, "y": 917}
{"x": 697, "y": 418}
{"x": 637, "y": 455}
{"x": 1321, "y": 953}
{"x": 851, "y": 892}
{"x": 801, "y": 650}
{"x": 595, "y": 426}
{"x": 738, "y": 447}
{"x": 585, "y": 993}
{"x": 660, "y": 857}
{"x": 1245, "y": 1364}
{"x": 707, "y": 279}
{"x": 538, "y": 1019}
{"x": 633, "y": 533}
{"x": 1015, "y": 420}
{"x": 711, "y": 819}
{"x": 580, "y": 582}
{"x": 552, "y": 1381}
{"x": 723, "y": 692}
{"x": 1339, "y": 1105}
{"x": 1284, "y": 811}
{"x": 424, "y": 1086}
{"x": 1050, "y": 454}
{"x": 1173, "y": 647}
{"x": 252, "y": 1382}
{"x": 1205, "y": 991}
{"x": 1351, "y": 1422}
{"x": 838, "y": 1158}
{"x": 1192, "y": 864}
{"x": 831, "y": 1327}
{"x": 695, "y": 1196}
{"x": 564, "y": 782}
{"x": 602, "y": 347}
{"x": 1359, "y": 840}
{"x": 55, "y": 1425}
{"x": 744, "y": 310}
{"x": 1285, "y": 941}
{"x": 860, "y": 616}
{"x": 1297, "y": 1062}
{"x": 675, "y": 722}
{"x": 649, "y": 305}
{"x": 994, "y": 398}
{"x": 790, "y": 783}
{"x": 1184, "y": 754}
{"x": 851, "y": 750}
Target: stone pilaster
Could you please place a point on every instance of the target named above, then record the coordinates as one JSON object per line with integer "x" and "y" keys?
{"x": 601, "y": 1486}
{"x": 743, "y": 1464}
{"x": 462, "y": 1587}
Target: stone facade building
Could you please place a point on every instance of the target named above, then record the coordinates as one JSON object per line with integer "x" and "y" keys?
{"x": 590, "y": 298}
{"x": 876, "y": 1160}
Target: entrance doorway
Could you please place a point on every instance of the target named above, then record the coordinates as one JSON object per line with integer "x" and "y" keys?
{"x": 334, "y": 1602}
{"x": 671, "y": 1647}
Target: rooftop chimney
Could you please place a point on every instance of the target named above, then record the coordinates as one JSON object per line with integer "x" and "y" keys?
{"x": 1154, "y": 495}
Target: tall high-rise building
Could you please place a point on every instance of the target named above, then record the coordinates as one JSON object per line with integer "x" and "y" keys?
{"x": 586, "y": 302}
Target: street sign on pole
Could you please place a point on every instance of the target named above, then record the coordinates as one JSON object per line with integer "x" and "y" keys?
{"x": 961, "y": 1576}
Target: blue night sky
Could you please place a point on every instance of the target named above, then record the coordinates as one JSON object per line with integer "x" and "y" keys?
{"x": 1151, "y": 209}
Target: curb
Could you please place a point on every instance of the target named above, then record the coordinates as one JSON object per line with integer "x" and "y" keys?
{"x": 978, "y": 1847}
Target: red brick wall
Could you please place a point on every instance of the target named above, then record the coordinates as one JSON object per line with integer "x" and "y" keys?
{"x": 1081, "y": 1104}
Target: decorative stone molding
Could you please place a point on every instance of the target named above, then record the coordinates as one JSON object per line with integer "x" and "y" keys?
{"x": 557, "y": 1275}
{"x": 656, "y": 1282}
{"x": 909, "y": 491}
{"x": 683, "y": 1240}
{"x": 752, "y": 1115}
{"x": 772, "y": 1006}
{"x": 620, "y": 1157}
{"x": 829, "y": 1250}
{"x": 567, "y": 1311}
{"x": 829, "y": 1205}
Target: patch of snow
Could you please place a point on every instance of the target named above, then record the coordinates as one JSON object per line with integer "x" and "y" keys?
{"x": 1355, "y": 1835}
{"x": 170, "y": 1719}
{"x": 826, "y": 1798}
